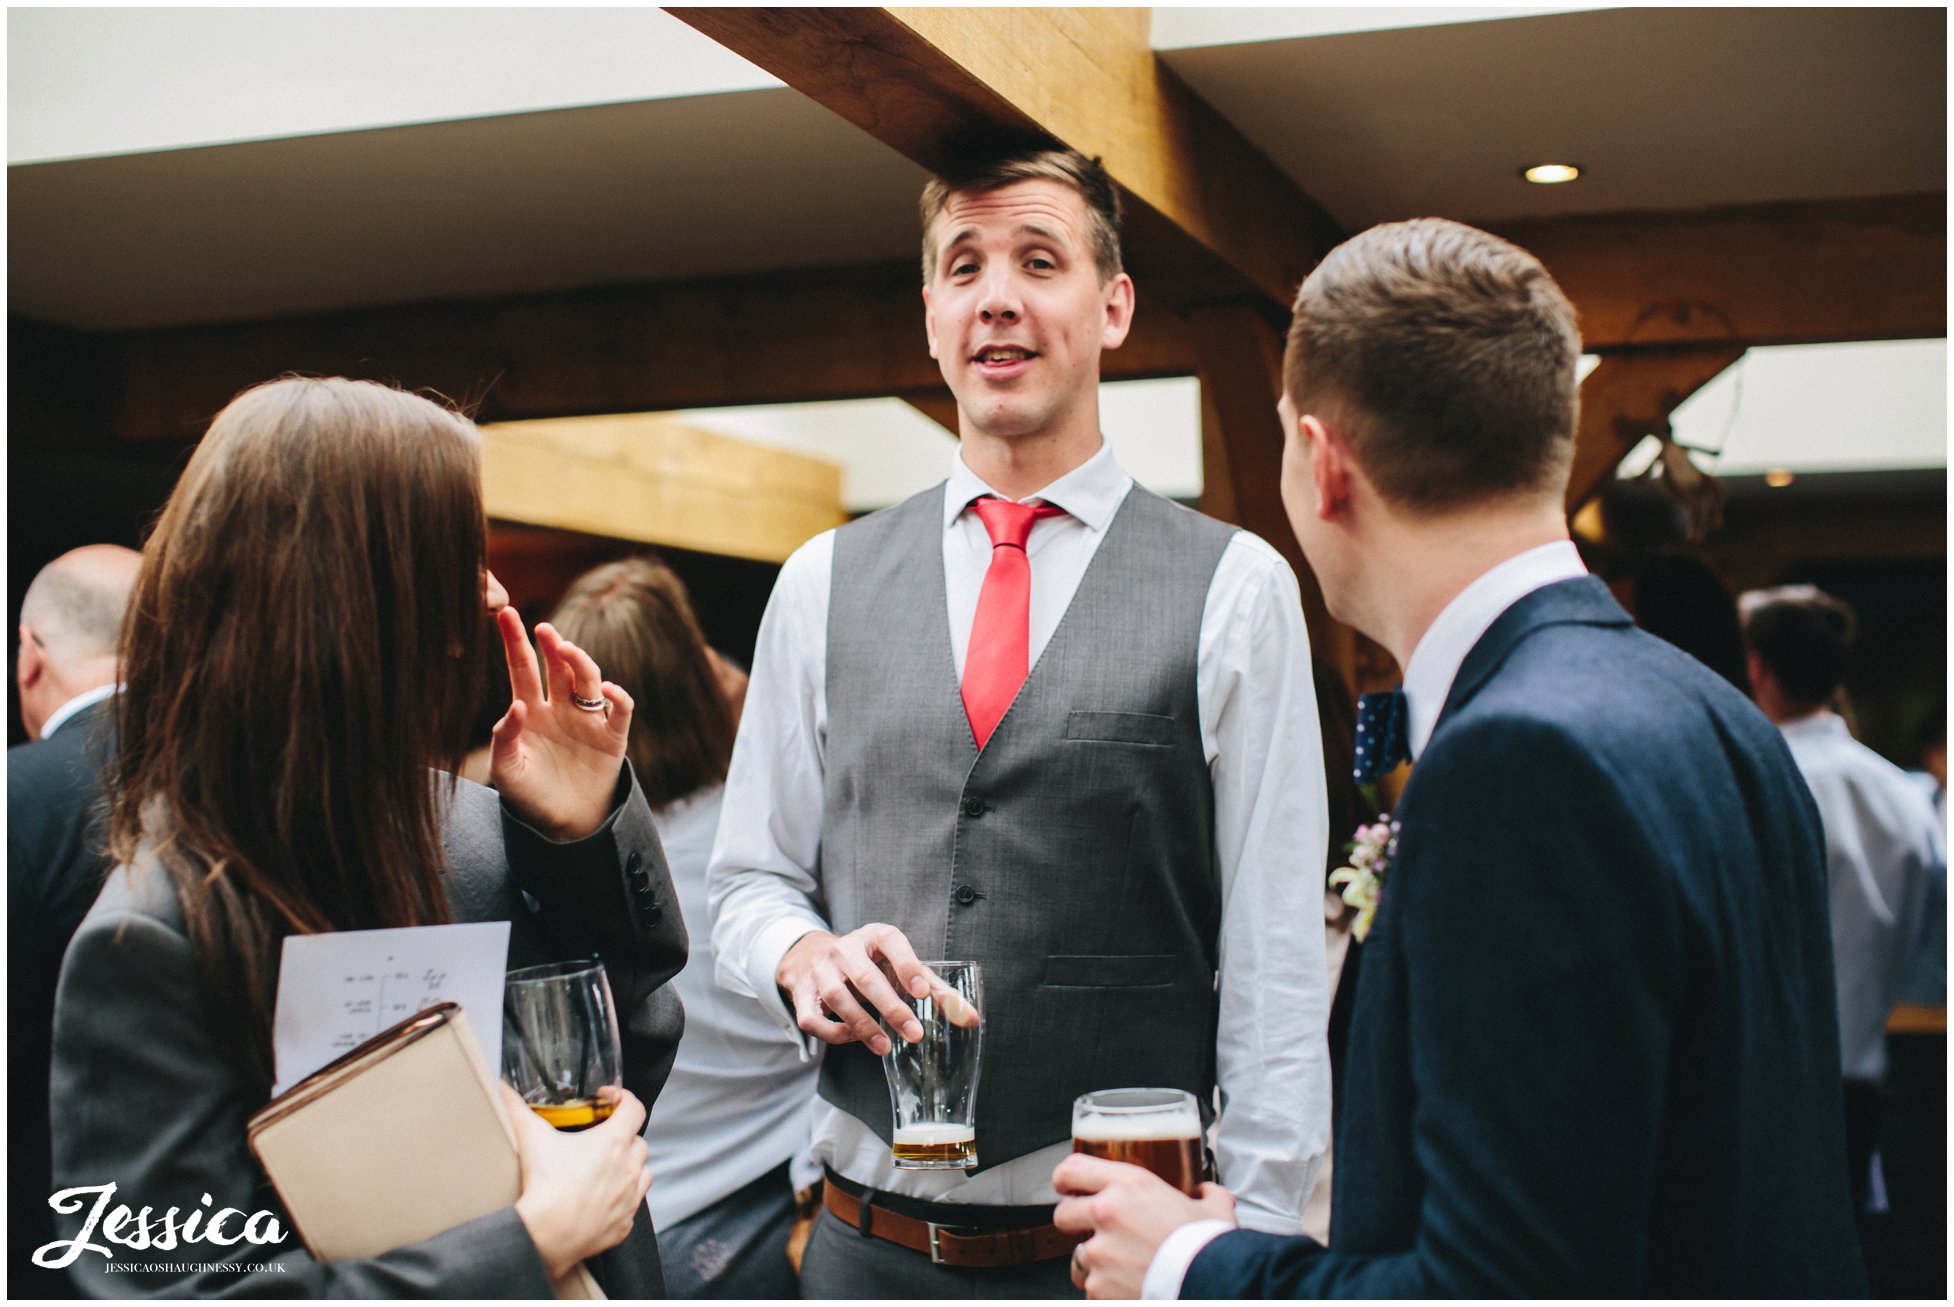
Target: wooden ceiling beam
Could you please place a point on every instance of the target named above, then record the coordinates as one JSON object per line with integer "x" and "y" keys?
{"x": 1200, "y": 197}
{"x": 1776, "y": 274}
{"x": 1630, "y": 396}
{"x": 787, "y": 337}
{"x": 651, "y": 478}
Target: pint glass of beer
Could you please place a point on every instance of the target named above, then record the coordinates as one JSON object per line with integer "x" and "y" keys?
{"x": 1159, "y": 1129}
{"x": 933, "y": 1082}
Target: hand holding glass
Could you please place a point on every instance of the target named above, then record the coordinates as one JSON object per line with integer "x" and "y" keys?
{"x": 933, "y": 1082}
{"x": 1159, "y": 1129}
{"x": 559, "y": 1042}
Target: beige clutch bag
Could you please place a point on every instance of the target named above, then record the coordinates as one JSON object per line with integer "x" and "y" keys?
{"x": 395, "y": 1142}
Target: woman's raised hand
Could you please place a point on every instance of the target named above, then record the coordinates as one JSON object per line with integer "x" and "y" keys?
{"x": 553, "y": 757}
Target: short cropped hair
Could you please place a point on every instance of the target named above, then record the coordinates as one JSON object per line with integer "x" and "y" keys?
{"x": 1086, "y": 176}
{"x": 1803, "y": 635}
{"x": 1447, "y": 356}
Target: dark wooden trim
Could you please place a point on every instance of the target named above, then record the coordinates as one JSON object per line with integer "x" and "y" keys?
{"x": 1774, "y": 274}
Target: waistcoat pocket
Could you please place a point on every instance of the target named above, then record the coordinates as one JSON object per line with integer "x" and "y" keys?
{"x": 1109, "y": 971}
{"x": 1120, "y": 727}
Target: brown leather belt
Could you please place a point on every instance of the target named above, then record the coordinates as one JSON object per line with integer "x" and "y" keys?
{"x": 945, "y": 1242}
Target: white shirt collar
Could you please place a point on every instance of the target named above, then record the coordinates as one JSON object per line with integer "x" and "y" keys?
{"x": 1435, "y": 662}
{"x": 1090, "y": 492}
{"x": 1821, "y": 725}
{"x": 86, "y": 699}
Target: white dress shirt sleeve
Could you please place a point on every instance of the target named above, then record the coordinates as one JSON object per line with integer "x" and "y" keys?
{"x": 762, "y": 889}
{"x": 1176, "y": 1253}
{"x": 1258, "y": 717}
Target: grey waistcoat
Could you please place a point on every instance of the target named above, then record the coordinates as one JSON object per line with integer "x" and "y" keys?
{"x": 1073, "y": 857}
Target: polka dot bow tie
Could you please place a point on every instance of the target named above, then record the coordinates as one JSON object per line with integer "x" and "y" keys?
{"x": 1383, "y": 734}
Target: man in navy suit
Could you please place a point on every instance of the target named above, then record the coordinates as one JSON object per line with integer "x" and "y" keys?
{"x": 1594, "y": 1045}
{"x": 65, "y": 670}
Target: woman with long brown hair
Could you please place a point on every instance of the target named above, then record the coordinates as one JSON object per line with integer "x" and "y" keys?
{"x": 301, "y": 655}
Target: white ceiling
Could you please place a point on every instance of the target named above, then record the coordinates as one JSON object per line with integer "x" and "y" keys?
{"x": 83, "y": 82}
{"x": 652, "y": 190}
{"x": 174, "y": 166}
{"x": 1668, "y": 108}
{"x": 1178, "y": 27}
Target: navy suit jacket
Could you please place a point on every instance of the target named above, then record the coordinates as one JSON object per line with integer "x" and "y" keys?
{"x": 55, "y": 865}
{"x": 1594, "y": 1050}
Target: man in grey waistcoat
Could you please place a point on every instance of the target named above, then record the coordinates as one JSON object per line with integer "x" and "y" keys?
{"x": 1039, "y": 718}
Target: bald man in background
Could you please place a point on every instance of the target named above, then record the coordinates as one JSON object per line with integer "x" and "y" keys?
{"x": 66, "y": 669}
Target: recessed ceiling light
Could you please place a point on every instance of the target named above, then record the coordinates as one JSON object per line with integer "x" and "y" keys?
{"x": 1551, "y": 174}
{"x": 1779, "y": 477}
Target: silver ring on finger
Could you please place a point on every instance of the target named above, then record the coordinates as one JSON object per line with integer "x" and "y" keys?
{"x": 599, "y": 704}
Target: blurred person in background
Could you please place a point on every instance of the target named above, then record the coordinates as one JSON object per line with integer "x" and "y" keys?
{"x": 1931, "y": 750}
{"x": 1884, "y": 852}
{"x": 729, "y": 1143}
{"x": 65, "y": 671}
{"x": 1664, "y": 581}
{"x": 299, "y": 655}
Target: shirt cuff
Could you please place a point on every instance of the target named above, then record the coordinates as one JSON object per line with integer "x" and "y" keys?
{"x": 1175, "y": 1254}
{"x": 769, "y": 947}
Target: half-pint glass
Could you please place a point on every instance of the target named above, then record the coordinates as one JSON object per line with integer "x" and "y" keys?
{"x": 933, "y": 1082}
{"x": 1159, "y": 1129}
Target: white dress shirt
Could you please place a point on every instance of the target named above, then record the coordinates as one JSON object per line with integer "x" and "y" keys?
{"x": 1259, "y": 732}
{"x": 740, "y": 1096}
{"x": 86, "y": 699}
{"x": 1887, "y": 864}
{"x": 1428, "y": 677}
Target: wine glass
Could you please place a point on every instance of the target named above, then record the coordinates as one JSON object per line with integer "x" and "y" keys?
{"x": 559, "y": 1042}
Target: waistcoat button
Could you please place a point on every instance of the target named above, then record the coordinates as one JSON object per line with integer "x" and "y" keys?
{"x": 973, "y": 807}
{"x": 966, "y": 895}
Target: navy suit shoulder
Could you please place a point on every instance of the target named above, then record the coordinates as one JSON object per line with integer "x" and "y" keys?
{"x": 1593, "y": 1051}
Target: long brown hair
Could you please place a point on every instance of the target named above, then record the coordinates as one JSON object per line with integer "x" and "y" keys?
{"x": 634, "y": 618}
{"x": 300, "y": 650}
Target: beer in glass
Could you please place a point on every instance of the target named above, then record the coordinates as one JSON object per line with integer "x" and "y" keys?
{"x": 1159, "y": 1129}
{"x": 559, "y": 1042}
{"x": 933, "y": 1082}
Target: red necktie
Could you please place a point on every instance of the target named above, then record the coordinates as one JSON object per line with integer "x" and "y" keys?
{"x": 999, "y": 656}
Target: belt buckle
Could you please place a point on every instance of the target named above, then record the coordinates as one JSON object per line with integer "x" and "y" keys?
{"x": 938, "y": 1228}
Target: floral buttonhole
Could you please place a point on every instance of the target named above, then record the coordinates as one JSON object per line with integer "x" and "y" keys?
{"x": 1371, "y": 850}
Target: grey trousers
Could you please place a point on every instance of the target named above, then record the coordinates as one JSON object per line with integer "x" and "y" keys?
{"x": 841, "y": 1262}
